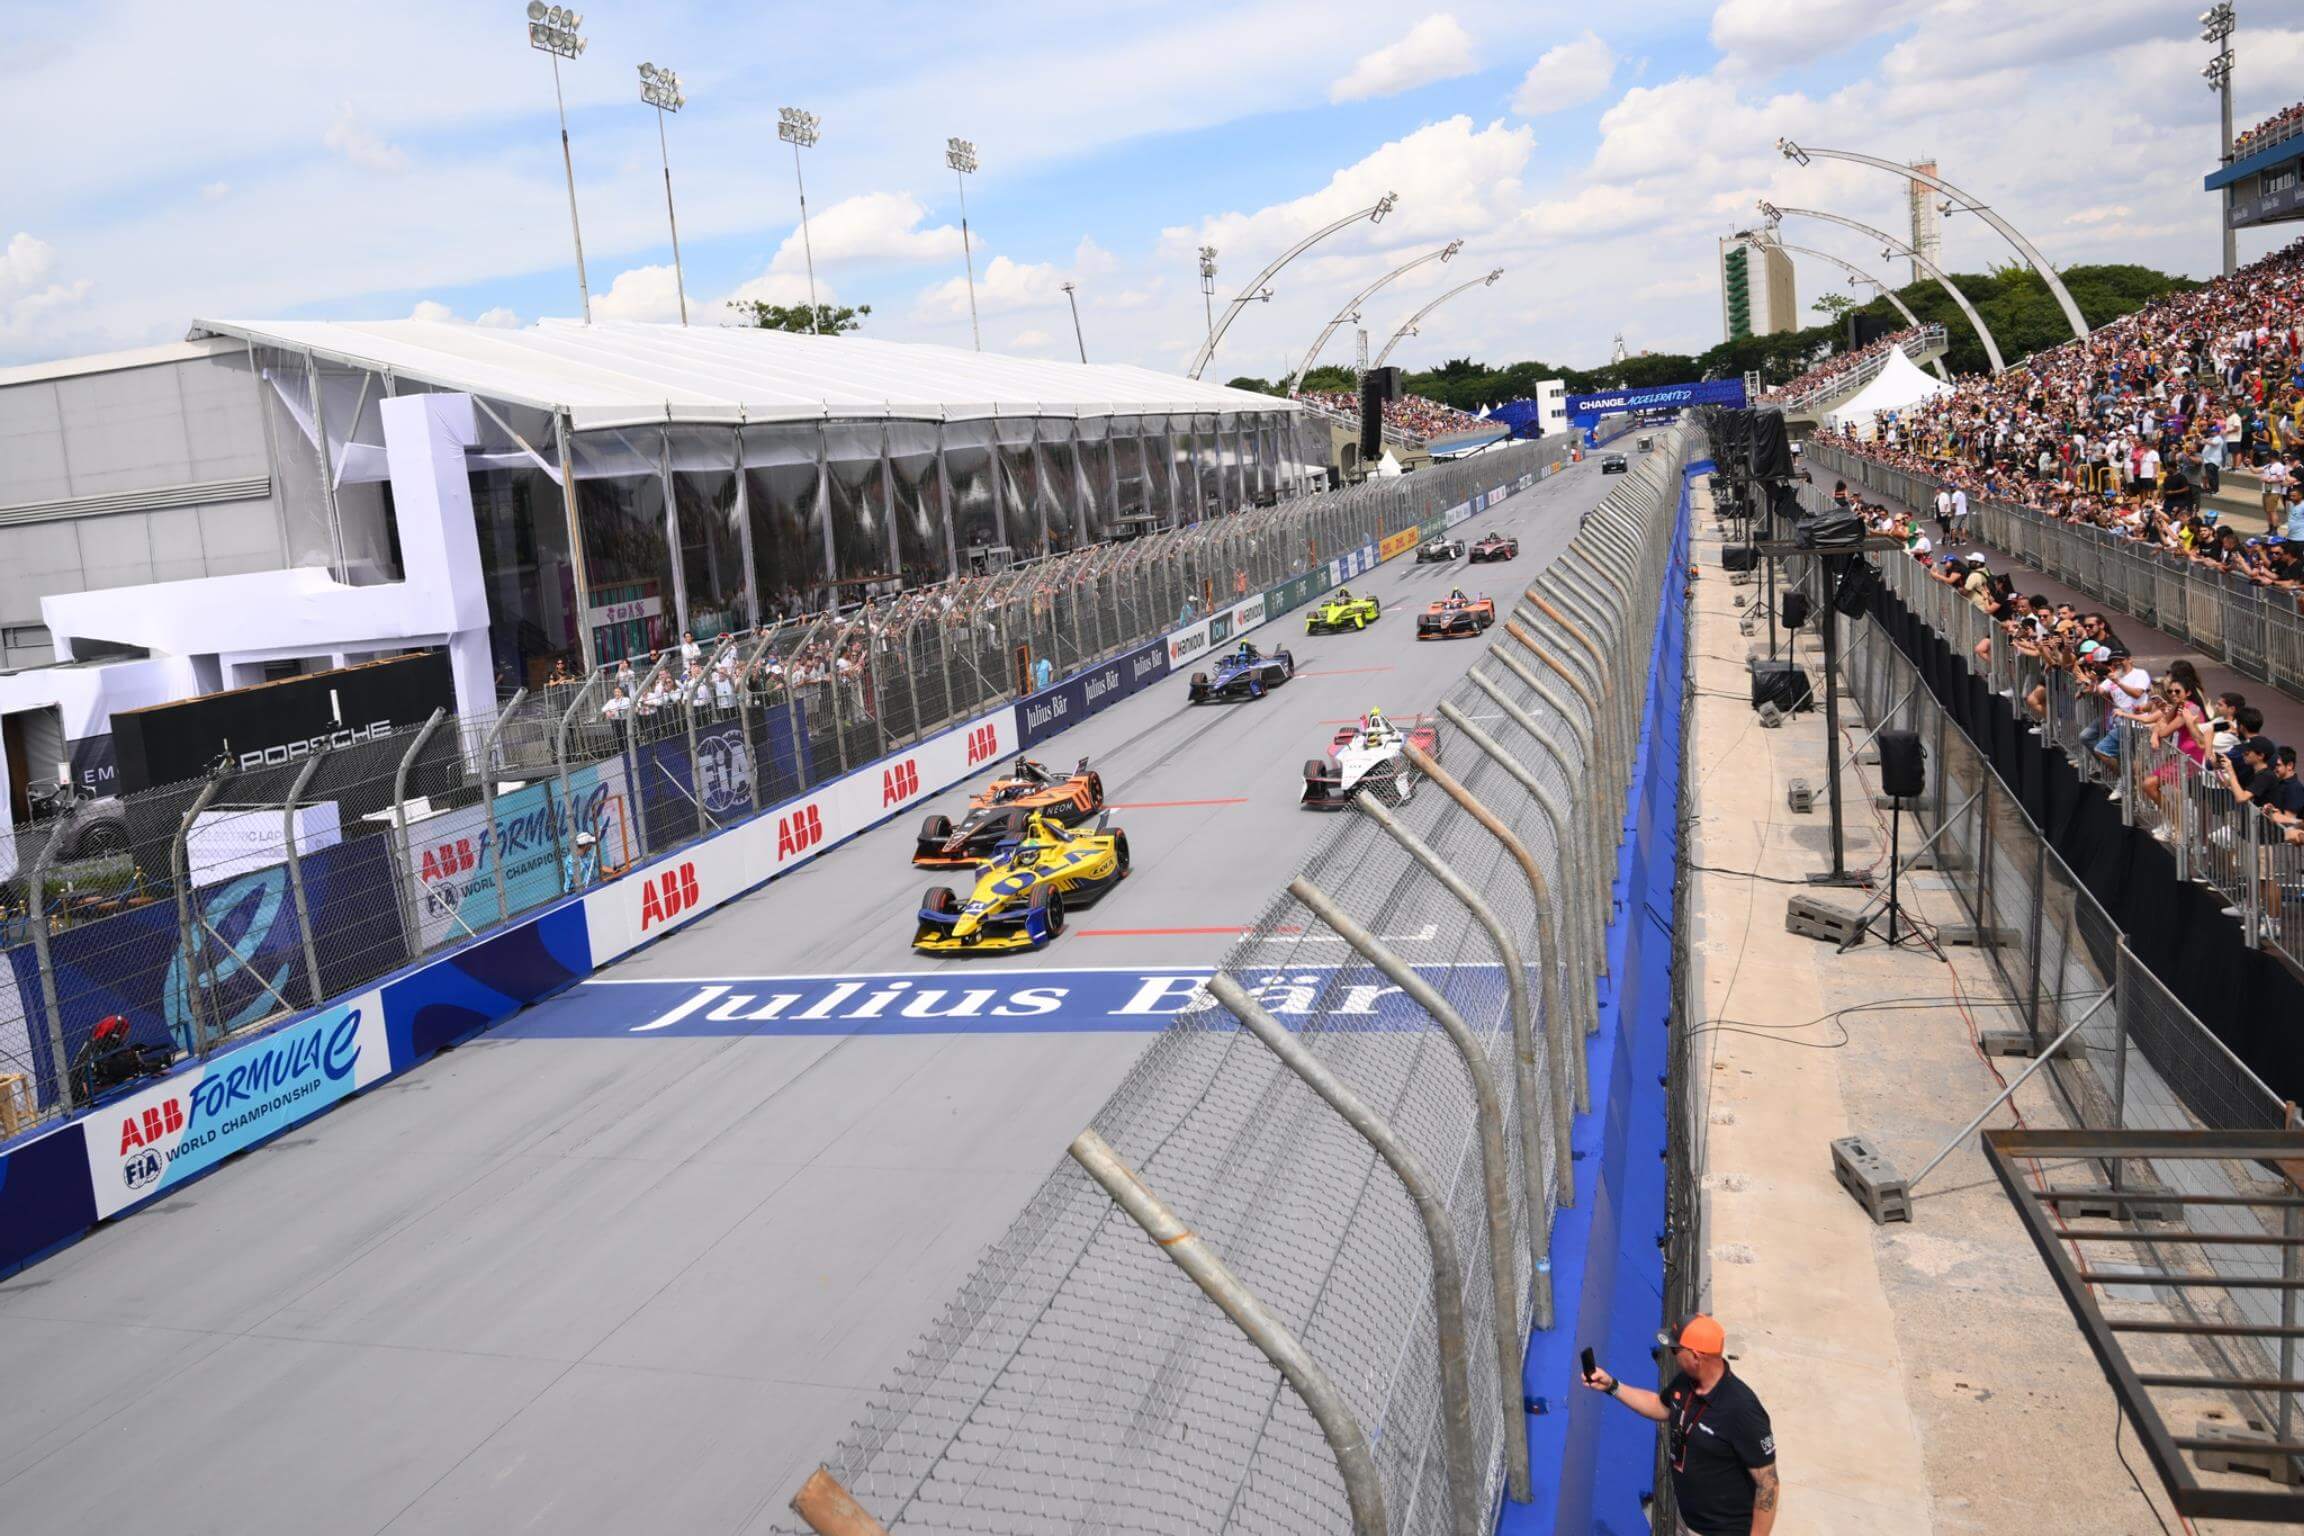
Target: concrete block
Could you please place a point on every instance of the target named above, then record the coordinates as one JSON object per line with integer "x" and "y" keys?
{"x": 1814, "y": 919}
{"x": 2017, "y": 1042}
{"x": 1871, "y": 1180}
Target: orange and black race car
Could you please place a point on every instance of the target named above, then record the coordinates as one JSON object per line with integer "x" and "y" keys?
{"x": 1000, "y": 811}
{"x": 1455, "y": 617}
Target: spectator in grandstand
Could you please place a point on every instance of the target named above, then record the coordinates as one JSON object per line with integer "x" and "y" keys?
{"x": 618, "y": 706}
{"x": 2285, "y": 123}
{"x": 1720, "y": 1445}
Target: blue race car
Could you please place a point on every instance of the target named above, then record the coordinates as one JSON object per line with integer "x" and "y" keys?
{"x": 1246, "y": 673}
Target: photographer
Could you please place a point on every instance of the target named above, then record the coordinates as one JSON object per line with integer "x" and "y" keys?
{"x": 1723, "y": 1452}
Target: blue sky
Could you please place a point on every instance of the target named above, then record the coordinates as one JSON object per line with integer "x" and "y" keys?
{"x": 253, "y": 161}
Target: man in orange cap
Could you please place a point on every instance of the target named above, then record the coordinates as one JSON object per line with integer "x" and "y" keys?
{"x": 1723, "y": 1453}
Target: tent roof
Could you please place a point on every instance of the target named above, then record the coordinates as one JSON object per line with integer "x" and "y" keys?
{"x": 1898, "y": 384}
{"x": 622, "y": 373}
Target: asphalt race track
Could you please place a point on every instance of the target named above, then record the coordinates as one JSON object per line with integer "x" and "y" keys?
{"x": 587, "y": 1275}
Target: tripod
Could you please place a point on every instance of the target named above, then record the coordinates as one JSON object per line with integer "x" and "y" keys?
{"x": 1893, "y": 907}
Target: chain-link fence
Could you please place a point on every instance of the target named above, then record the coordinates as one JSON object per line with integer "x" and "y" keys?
{"x": 1355, "y": 1142}
{"x": 168, "y": 923}
{"x": 2257, "y": 631}
{"x": 2137, "y": 1059}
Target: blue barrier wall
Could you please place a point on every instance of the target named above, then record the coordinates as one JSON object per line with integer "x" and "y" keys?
{"x": 1593, "y": 1461}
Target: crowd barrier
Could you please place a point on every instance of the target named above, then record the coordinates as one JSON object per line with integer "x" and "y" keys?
{"x": 1377, "y": 1196}
{"x": 326, "y": 924}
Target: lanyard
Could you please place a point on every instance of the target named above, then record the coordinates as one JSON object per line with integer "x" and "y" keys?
{"x": 1684, "y": 1424}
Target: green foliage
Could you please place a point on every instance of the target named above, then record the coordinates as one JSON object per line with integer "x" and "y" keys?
{"x": 1833, "y": 305}
{"x": 830, "y": 319}
{"x": 1337, "y": 378}
{"x": 1253, "y": 386}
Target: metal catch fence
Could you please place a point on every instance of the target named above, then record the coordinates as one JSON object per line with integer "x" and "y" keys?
{"x": 220, "y": 905}
{"x": 1352, "y": 1143}
{"x": 2137, "y": 1059}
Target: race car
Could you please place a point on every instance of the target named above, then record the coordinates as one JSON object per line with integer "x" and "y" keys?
{"x": 1613, "y": 464}
{"x": 1370, "y": 755}
{"x": 1341, "y": 610}
{"x": 1241, "y": 674}
{"x": 1456, "y": 617}
{"x": 1020, "y": 896}
{"x": 998, "y": 813}
{"x": 1495, "y": 547}
{"x": 1439, "y": 550}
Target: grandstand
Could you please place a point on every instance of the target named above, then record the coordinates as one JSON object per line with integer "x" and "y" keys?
{"x": 2263, "y": 182}
{"x": 1412, "y": 424}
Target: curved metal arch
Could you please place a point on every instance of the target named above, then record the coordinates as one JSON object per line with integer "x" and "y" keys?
{"x": 2008, "y": 232}
{"x": 1256, "y": 290}
{"x": 1878, "y": 286}
{"x": 1944, "y": 281}
{"x": 1409, "y": 326}
{"x": 1352, "y": 307}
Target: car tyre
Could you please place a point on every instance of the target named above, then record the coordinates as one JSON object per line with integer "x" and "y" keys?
{"x": 935, "y": 829}
{"x": 1047, "y": 901}
{"x": 941, "y": 898}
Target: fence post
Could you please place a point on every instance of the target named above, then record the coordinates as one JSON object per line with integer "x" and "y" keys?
{"x": 636, "y": 774}
{"x": 188, "y": 946}
{"x": 1355, "y": 1463}
{"x": 2252, "y": 876}
{"x": 745, "y": 673}
{"x": 832, "y": 1510}
{"x": 36, "y": 909}
{"x": 408, "y": 915}
{"x": 1587, "y": 848}
{"x": 487, "y": 767}
{"x": 1599, "y": 838}
{"x": 288, "y": 841}
{"x": 1463, "y": 1458}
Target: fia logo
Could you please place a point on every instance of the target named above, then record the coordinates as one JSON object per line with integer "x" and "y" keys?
{"x": 798, "y": 832}
{"x": 141, "y": 1170}
{"x": 664, "y": 897}
{"x": 724, "y": 771}
{"x": 983, "y": 744}
{"x": 900, "y": 783}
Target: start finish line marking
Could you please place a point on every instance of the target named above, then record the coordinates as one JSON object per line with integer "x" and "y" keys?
{"x": 960, "y": 1000}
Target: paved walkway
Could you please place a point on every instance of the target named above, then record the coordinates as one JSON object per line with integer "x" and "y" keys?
{"x": 1923, "y": 1377}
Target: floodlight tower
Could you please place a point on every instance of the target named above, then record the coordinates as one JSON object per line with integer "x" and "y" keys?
{"x": 801, "y": 130}
{"x": 555, "y": 30}
{"x": 2217, "y": 24}
{"x": 1208, "y": 285}
{"x": 660, "y": 88}
{"x": 961, "y": 156}
{"x": 1071, "y": 295}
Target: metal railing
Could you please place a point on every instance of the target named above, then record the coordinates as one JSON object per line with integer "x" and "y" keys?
{"x": 1351, "y": 1142}
{"x": 1929, "y": 340}
{"x": 2257, "y": 631}
{"x": 227, "y": 903}
{"x": 2140, "y": 1059}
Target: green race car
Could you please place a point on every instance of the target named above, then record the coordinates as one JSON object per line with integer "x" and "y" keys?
{"x": 1340, "y": 610}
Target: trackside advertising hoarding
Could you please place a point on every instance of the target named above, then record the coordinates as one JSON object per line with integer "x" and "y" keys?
{"x": 1207, "y": 634}
{"x": 451, "y": 860}
{"x": 1586, "y": 410}
{"x": 1043, "y": 714}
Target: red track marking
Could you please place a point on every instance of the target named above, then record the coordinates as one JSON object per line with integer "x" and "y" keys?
{"x": 1157, "y": 805}
{"x": 1341, "y": 671}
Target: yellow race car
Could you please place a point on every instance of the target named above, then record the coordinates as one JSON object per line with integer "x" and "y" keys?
{"x": 1340, "y": 610}
{"x": 1022, "y": 891}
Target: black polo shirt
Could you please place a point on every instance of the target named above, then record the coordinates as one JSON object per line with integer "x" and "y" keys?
{"x": 1715, "y": 1440}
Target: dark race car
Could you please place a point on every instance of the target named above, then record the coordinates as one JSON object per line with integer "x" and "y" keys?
{"x": 1495, "y": 547}
{"x": 1456, "y": 617}
{"x": 998, "y": 813}
{"x": 1245, "y": 673}
{"x": 1613, "y": 464}
{"x": 1439, "y": 550}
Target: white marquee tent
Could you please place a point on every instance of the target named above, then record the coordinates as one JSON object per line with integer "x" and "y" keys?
{"x": 1898, "y": 385}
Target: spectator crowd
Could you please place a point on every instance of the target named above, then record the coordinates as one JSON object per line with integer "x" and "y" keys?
{"x": 2130, "y": 429}
{"x": 2283, "y": 124}
{"x": 1837, "y": 368}
{"x": 1418, "y": 417}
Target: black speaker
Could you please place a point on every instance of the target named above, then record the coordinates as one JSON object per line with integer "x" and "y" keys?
{"x": 1781, "y": 683}
{"x": 1854, "y": 598}
{"x": 1739, "y": 557}
{"x": 1771, "y": 447}
{"x": 1903, "y": 764}
{"x": 1792, "y": 607}
{"x": 1371, "y": 418}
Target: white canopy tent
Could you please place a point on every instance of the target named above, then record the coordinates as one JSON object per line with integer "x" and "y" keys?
{"x": 1898, "y": 384}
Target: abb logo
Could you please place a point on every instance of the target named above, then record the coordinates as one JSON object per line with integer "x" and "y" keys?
{"x": 900, "y": 783}
{"x": 158, "y": 1122}
{"x": 983, "y": 744}
{"x": 664, "y": 897}
{"x": 448, "y": 860}
{"x": 798, "y": 832}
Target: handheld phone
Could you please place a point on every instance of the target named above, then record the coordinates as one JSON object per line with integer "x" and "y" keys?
{"x": 1591, "y": 1366}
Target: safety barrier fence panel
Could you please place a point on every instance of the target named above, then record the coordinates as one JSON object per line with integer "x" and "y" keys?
{"x": 1352, "y": 1142}
{"x": 2256, "y": 630}
{"x": 235, "y": 901}
{"x": 2140, "y": 1059}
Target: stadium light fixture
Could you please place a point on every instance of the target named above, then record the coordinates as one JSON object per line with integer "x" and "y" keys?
{"x": 558, "y": 32}
{"x": 801, "y": 130}
{"x": 1071, "y": 291}
{"x": 1982, "y": 210}
{"x": 1208, "y": 285}
{"x": 2217, "y": 24}
{"x": 1257, "y": 293}
{"x": 660, "y": 88}
{"x": 961, "y": 156}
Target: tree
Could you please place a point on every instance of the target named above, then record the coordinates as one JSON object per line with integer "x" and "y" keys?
{"x": 1833, "y": 305}
{"x": 1331, "y": 378}
{"x": 1253, "y": 386}
{"x": 829, "y": 319}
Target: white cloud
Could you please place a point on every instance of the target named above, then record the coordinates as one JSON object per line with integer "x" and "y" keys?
{"x": 1091, "y": 260}
{"x": 28, "y": 300}
{"x": 500, "y": 318}
{"x": 1566, "y": 76}
{"x": 2101, "y": 213}
{"x": 215, "y": 191}
{"x": 27, "y": 260}
{"x": 874, "y": 227}
{"x": 1771, "y": 33}
{"x": 356, "y": 142}
{"x": 1028, "y": 341}
{"x": 785, "y": 288}
{"x": 640, "y": 293}
{"x": 434, "y": 311}
{"x": 1436, "y": 48}
{"x": 1002, "y": 287}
